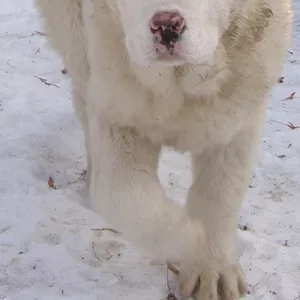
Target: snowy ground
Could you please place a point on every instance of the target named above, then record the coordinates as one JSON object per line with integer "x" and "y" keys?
{"x": 49, "y": 248}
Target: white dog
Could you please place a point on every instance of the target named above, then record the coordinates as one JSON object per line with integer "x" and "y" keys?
{"x": 191, "y": 74}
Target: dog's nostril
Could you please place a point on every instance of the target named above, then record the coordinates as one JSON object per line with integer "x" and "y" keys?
{"x": 154, "y": 27}
{"x": 178, "y": 23}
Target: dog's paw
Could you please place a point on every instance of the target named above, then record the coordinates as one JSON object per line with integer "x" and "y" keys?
{"x": 213, "y": 283}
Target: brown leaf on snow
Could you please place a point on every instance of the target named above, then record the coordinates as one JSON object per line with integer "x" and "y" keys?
{"x": 290, "y": 97}
{"x": 51, "y": 183}
{"x": 289, "y": 124}
{"x": 292, "y": 126}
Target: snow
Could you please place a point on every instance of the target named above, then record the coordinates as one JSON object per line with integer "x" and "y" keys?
{"x": 51, "y": 246}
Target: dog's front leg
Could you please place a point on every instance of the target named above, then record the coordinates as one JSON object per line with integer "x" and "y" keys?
{"x": 222, "y": 175}
{"x": 126, "y": 192}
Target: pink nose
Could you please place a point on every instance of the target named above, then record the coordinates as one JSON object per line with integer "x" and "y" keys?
{"x": 167, "y": 28}
{"x": 167, "y": 20}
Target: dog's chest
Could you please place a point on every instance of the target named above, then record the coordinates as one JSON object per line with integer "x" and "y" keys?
{"x": 194, "y": 126}
{"x": 170, "y": 114}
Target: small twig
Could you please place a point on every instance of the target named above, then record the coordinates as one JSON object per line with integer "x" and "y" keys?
{"x": 81, "y": 176}
{"x": 176, "y": 271}
{"x": 253, "y": 287}
{"x": 278, "y": 122}
{"x": 173, "y": 269}
{"x": 40, "y": 33}
{"x": 171, "y": 294}
{"x": 94, "y": 251}
{"x": 4, "y": 229}
{"x": 43, "y": 80}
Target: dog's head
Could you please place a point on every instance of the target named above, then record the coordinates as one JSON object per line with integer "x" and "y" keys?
{"x": 172, "y": 32}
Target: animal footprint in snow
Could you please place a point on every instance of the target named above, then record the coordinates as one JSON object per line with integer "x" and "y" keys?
{"x": 107, "y": 244}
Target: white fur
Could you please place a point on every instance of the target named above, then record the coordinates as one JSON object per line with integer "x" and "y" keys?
{"x": 211, "y": 102}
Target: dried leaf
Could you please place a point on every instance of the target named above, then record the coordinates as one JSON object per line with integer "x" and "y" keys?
{"x": 51, "y": 183}
{"x": 290, "y": 97}
{"x": 292, "y": 126}
{"x": 82, "y": 175}
{"x": 280, "y": 80}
